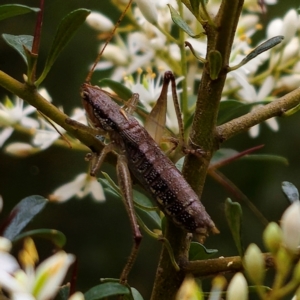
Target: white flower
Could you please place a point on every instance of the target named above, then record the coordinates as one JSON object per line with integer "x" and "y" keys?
{"x": 148, "y": 9}
{"x": 20, "y": 149}
{"x": 127, "y": 58}
{"x": 254, "y": 264}
{"x": 286, "y": 26}
{"x": 5, "y": 244}
{"x": 44, "y": 138}
{"x": 13, "y": 113}
{"x": 80, "y": 187}
{"x": 290, "y": 224}
{"x": 99, "y": 22}
{"x": 237, "y": 289}
{"x": 41, "y": 283}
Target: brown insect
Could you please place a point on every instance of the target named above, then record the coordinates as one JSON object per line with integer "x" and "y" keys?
{"x": 139, "y": 154}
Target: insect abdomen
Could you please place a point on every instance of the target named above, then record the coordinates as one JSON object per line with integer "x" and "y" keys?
{"x": 160, "y": 177}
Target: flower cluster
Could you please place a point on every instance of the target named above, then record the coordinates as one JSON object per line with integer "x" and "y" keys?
{"x": 283, "y": 242}
{"x": 31, "y": 282}
{"x": 150, "y": 46}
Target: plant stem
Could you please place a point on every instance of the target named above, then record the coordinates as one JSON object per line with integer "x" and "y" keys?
{"x": 220, "y": 37}
{"x": 273, "y": 109}
{"x": 29, "y": 93}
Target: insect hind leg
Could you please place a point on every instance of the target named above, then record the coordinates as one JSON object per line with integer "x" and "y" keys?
{"x": 125, "y": 184}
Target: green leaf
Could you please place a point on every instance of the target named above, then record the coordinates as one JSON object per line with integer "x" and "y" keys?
{"x": 122, "y": 91}
{"x": 272, "y": 42}
{"x": 18, "y": 41}
{"x": 199, "y": 252}
{"x": 233, "y": 212}
{"x": 290, "y": 191}
{"x": 135, "y": 294}
{"x": 267, "y": 157}
{"x": 23, "y": 213}
{"x": 195, "y": 4}
{"x": 11, "y": 10}
{"x": 142, "y": 203}
{"x": 106, "y": 289}
{"x": 63, "y": 293}
{"x": 66, "y": 30}
{"x": 55, "y": 236}
{"x": 182, "y": 24}
{"x": 223, "y": 154}
{"x": 215, "y": 64}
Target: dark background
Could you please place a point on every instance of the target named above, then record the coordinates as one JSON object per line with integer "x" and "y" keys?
{"x": 99, "y": 233}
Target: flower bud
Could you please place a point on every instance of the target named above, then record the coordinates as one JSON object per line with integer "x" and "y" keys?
{"x": 218, "y": 284}
{"x": 283, "y": 260}
{"x": 296, "y": 274}
{"x": 189, "y": 290}
{"x": 237, "y": 289}
{"x": 5, "y": 244}
{"x": 272, "y": 237}
{"x": 99, "y": 22}
{"x": 20, "y": 149}
{"x": 148, "y": 9}
{"x": 290, "y": 224}
{"x": 77, "y": 296}
{"x": 254, "y": 264}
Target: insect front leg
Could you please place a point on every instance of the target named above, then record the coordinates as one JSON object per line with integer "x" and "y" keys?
{"x": 99, "y": 158}
{"x": 125, "y": 185}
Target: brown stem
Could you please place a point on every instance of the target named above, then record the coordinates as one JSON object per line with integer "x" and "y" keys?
{"x": 220, "y": 37}
{"x": 213, "y": 267}
{"x": 273, "y": 109}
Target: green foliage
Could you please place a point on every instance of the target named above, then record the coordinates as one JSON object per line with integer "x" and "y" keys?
{"x": 199, "y": 252}
{"x": 177, "y": 19}
{"x": 233, "y": 212}
{"x": 107, "y": 289}
{"x": 12, "y": 10}
{"x": 57, "y": 238}
{"x": 18, "y": 42}
{"x": 22, "y": 214}
{"x": 65, "y": 31}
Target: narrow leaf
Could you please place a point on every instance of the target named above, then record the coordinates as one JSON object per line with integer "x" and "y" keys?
{"x": 66, "y": 30}
{"x": 135, "y": 294}
{"x": 272, "y": 42}
{"x": 290, "y": 191}
{"x": 122, "y": 91}
{"x": 182, "y": 24}
{"x": 233, "y": 212}
{"x": 18, "y": 42}
{"x": 11, "y": 10}
{"x": 25, "y": 211}
{"x": 215, "y": 64}
{"x": 106, "y": 289}
{"x": 199, "y": 252}
{"x": 55, "y": 236}
{"x": 195, "y": 4}
{"x": 267, "y": 157}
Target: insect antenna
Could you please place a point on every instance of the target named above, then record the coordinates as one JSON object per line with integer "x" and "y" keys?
{"x": 88, "y": 78}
